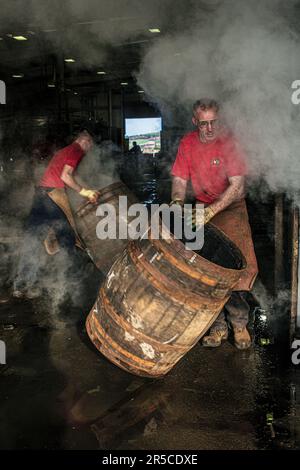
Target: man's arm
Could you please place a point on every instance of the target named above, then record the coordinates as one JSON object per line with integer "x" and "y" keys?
{"x": 234, "y": 192}
{"x": 68, "y": 178}
{"x": 178, "y": 189}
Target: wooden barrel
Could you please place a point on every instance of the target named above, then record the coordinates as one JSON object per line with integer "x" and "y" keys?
{"x": 159, "y": 299}
{"x": 102, "y": 252}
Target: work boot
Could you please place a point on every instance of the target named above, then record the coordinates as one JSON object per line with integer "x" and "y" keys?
{"x": 4, "y": 297}
{"x": 242, "y": 339}
{"x": 33, "y": 293}
{"x": 18, "y": 293}
{"x": 51, "y": 244}
{"x": 217, "y": 334}
{"x": 28, "y": 293}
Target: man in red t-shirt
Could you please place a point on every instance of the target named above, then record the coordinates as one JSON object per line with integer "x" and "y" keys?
{"x": 51, "y": 209}
{"x": 214, "y": 163}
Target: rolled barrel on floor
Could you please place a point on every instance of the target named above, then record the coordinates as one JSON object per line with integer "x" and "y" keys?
{"x": 102, "y": 252}
{"x": 159, "y": 299}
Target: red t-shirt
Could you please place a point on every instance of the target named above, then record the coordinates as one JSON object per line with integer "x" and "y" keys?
{"x": 208, "y": 165}
{"x": 70, "y": 155}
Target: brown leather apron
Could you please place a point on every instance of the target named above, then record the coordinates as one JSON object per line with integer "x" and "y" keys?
{"x": 234, "y": 222}
{"x": 59, "y": 196}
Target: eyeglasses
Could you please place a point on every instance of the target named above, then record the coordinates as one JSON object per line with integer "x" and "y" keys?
{"x": 212, "y": 122}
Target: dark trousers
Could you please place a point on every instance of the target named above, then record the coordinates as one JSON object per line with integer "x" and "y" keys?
{"x": 236, "y": 311}
{"x": 43, "y": 215}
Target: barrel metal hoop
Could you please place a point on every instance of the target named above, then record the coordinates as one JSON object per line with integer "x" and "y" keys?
{"x": 99, "y": 331}
{"x": 109, "y": 191}
{"x": 192, "y": 269}
{"x": 167, "y": 286}
{"x": 141, "y": 337}
{"x": 120, "y": 357}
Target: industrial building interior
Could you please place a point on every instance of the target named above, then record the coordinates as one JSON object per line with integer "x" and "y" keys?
{"x": 99, "y": 64}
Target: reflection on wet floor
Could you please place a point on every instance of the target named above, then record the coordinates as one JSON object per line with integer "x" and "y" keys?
{"x": 58, "y": 392}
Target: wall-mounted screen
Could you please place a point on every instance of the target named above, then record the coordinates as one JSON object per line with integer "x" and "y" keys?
{"x": 145, "y": 133}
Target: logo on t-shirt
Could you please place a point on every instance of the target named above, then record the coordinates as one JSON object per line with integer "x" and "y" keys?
{"x": 215, "y": 161}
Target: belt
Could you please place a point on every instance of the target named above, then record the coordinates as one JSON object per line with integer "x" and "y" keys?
{"x": 43, "y": 189}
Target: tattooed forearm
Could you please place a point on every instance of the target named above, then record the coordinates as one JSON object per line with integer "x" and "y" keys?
{"x": 234, "y": 192}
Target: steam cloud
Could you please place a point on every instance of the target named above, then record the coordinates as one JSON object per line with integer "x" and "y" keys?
{"x": 86, "y": 29}
{"x": 245, "y": 54}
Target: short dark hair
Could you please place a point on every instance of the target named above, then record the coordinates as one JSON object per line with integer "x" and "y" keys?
{"x": 206, "y": 103}
{"x": 85, "y": 131}
{"x": 84, "y": 134}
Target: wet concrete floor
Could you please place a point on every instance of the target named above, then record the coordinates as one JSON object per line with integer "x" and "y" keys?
{"x": 58, "y": 392}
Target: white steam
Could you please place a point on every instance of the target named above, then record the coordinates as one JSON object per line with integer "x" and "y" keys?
{"x": 245, "y": 54}
{"x": 86, "y": 29}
